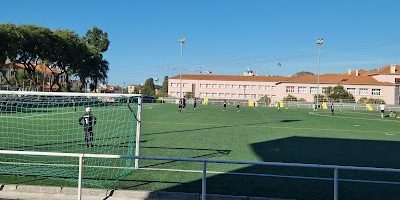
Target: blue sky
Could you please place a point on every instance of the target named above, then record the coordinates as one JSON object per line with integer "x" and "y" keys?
{"x": 225, "y": 36}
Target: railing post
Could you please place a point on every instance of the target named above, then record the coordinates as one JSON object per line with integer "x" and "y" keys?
{"x": 335, "y": 185}
{"x": 203, "y": 181}
{"x": 80, "y": 176}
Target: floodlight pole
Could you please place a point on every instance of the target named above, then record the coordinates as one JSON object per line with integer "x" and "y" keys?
{"x": 320, "y": 42}
{"x": 182, "y": 41}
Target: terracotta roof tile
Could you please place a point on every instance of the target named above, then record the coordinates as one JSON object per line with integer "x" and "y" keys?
{"x": 40, "y": 67}
{"x": 232, "y": 78}
{"x": 343, "y": 79}
{"x": 337, "y": 79}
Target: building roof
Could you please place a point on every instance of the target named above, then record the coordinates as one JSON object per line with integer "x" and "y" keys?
{"x": 232, "y": 78}
{"x": 341, "y": 79}
{"x": 379, "y": 71}
{"x": 40, "y": 67}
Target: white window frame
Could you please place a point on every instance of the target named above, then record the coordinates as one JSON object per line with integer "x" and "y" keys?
{"x": 363, "y": 91}
{"x": 290, "y": 89}
{"x": 376, "y": 92}
{"x": 302, "y": 90}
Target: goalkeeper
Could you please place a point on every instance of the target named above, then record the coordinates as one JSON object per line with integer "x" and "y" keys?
{"x": 89, "y": 121}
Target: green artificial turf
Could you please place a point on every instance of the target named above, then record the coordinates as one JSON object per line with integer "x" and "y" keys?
{"x": 356, "y": 138}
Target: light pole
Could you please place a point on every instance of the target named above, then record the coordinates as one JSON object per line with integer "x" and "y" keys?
{"x": 320, "y": 42}
{"x": 182, "y": 41}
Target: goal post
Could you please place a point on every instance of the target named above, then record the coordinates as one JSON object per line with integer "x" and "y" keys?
{"x": 94, "y": 123}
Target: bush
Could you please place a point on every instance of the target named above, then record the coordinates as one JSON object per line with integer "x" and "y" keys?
{"x": 265, "y": 99}
{"x": 290, "y": 98}
{"x": 365, "y": 100}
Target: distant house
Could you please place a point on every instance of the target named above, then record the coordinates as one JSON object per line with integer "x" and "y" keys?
{"x": 134, "y": 88}
{"x": 13, "y": 69}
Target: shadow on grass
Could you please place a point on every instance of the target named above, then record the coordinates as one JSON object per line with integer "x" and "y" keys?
{"x": 310, "y": 150}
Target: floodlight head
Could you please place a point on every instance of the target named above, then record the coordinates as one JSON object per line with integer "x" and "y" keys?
{"x": 88, "y": 110}
{"x": 182, "y": 40}
{"x": 320, "y": 41}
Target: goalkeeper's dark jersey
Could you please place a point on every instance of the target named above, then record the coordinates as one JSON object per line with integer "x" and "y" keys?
{"x": 89, "y": 121}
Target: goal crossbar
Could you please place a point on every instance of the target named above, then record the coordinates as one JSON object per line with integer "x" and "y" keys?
{"x": 7, "y": 92}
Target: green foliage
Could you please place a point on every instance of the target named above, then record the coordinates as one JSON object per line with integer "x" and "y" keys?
{"x": 164, "y": 87}
{"x": 97, "y": 40}
{"x": 321, "y": 98}
{"x": 337, "y": 92}
{"x": 189, "y": 95}
{"x": 148, "y": 88}
{"x": 265, "y": 99}
{"x": 290, "y": 98}
{"x": 64, "y": 50}
{"x": 365, "y": 100}
{"x": 303, "y": 73}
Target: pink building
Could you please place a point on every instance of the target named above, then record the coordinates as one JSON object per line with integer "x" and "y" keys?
{"x": 380, "y": 83}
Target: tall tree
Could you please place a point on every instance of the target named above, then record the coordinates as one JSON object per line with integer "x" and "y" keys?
{"x": 8, "y": 46}
{"x": 148, "y": 88}
{"x": 97, "y": 40}
{"x": 164, "y": 87}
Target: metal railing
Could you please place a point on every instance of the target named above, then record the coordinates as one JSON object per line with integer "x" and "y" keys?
{"x": 204, "y": 162}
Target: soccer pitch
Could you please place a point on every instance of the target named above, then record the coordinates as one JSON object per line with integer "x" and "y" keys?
{"x": 354, "y": 138}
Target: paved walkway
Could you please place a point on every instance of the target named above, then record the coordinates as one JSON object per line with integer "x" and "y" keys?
{"x": 28, "y": 192}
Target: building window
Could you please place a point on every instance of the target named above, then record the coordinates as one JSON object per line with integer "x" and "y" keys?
{"x": 241, "y": 96}
{"x": 221, "y": 85}
{"x": 172, "y": 93}
{"x": 208, "y": 85}
{"x": 215, "y": 86}
{"x": 234, "y": 86}
{"x": 173, "y": 85}
{"x": 254, "y": 87}
{"x": 221, "y": 95}
{"x": 228, "y": 86}
{"x": 248, "y": 96}
{"x": 184, "y": 84}
{"x": 313, "y": 90}
{"x": 201, "y": 94}
{"x": 241, "y": 86}
{"x": 363, "y": 91}
{"x": 234, "y": 95}
{"x": 289, "y": 89}
{"x": 273, "y": 87}
{"x": 376, "y": 92}
{"x": 302, "y": 90}
{"x": 227, "y": 95}
{"x": 178, "y": 85}
{"x": 202, "y": 86}
{"x": 214, "y": 95}
{"x": 253, "y": 96}
{"x": 351, "y": 90}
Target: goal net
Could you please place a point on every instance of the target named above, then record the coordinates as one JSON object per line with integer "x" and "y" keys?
{"x": 69, "y": 123}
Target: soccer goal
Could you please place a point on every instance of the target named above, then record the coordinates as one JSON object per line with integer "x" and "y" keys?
{"x": 95, "y": 123}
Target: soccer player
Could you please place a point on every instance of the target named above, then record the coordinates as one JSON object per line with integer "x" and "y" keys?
{"x": 89, "y": 120}
{"x": 180, "y": 106}
{"x": 341, "y": 108}
{"x": 382, "y": 108}
{"x": 237, "y": 106}
{"x": 332, "y": 107}
{"x": 224, "y": 106}
{"x": 184, "y": 103}
{"x": 194, "y": 103}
